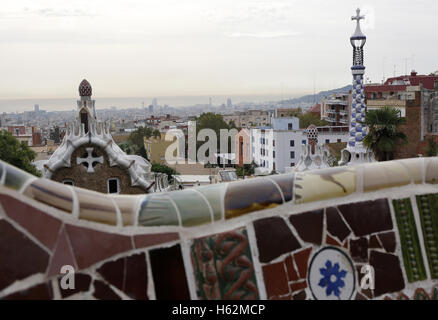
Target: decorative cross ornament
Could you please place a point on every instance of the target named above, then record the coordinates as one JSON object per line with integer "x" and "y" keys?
{"x": 89, "y": 160}
{"x": 358, "y": 17}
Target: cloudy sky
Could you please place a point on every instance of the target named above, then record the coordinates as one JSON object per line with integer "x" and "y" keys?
{"x": 135, "y": 48}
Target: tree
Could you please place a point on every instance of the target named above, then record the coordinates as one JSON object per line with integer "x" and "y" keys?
{"x": 215, "y": 122}
{"x": 135, "y": 143}
{"x": 17, "y": 153}
{"x": 384, "y": 132}
{"x": 306, "y": 119}
{"x": 156, "y": 133}
{"x": 431, "y": 148}
{"x": 162, "y": 168}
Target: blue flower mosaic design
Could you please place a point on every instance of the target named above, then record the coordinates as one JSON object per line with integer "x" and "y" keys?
{"x": 332, "y": 278}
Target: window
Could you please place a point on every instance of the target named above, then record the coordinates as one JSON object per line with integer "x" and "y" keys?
{"x": 113, "y": 185}
{"x": 273, "y": 143}
{"x": 292, "y": 164}
{"x": 273, "y": 154}
{"x": 68, "y": 182}
{"x": 327, "y": 140}
{"x": 292, "y": 143}
{"x": 289, "y": 126}
{"x": 304, "y": 142}
{"x": 339, "y": 140}
{"x": 292, "y": 154}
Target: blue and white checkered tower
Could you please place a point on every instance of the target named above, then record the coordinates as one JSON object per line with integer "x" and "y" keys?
{"x": 356, "y": 152}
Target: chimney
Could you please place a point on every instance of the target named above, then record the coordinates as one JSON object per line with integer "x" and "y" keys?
{"x": 413, "y": 73}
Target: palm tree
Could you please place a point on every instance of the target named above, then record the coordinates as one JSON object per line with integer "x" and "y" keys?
{"x": 384, "y": 132}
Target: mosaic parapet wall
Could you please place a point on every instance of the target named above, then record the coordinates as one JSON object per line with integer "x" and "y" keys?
{"x": 310, "y": 235}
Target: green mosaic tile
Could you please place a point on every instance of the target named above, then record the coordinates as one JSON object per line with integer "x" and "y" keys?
{"x": 223, "y": 267}
{"x": 15, "y": 178}
{"x": 215, "y": 196}
{"x": 192, "y": 207}
{"x": 412, "y": 257}
{"x": 157, "y": 210}
{"x": 428, "y": 208}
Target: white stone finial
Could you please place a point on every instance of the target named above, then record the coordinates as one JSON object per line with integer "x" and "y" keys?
{"x": 357, "y": 17}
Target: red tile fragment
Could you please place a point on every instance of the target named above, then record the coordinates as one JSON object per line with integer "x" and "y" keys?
{"x": 275, "y": 279}
{"x": 291, "y": 272}
{"x": 148, "y": 240}
{"x": 297, "y": 286}
{"x": 301, "y": 259}
{"x": 41, "y": 225}
{"x": 63, "y": 255}
{"x": 332, "y": 241}
{"x": 91, "y": 246}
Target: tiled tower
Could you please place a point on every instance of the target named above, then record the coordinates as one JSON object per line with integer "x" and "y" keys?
{"x": 356, "y": 152}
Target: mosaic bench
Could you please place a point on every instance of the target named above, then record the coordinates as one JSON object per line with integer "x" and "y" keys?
{"x": 296, "y": 236}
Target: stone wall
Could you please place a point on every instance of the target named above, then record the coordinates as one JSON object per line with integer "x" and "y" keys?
{"x": 296, "y": 236}
{"x": 96, "y": 181}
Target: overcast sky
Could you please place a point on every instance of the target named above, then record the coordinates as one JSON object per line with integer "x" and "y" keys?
{"x": 135, "y": 48}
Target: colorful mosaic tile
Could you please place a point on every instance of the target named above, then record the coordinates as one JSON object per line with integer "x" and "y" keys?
{"x": 41, "y": 225}
{"x": 431, "y": 164}
{"x": 359, "y": 214}
{"x": 412, "y": 257}
{"x": 16, "y": 178}
{"x": 94, "y": 206}
{"x": 387, "y": 272}
{"x": 82, "y": 284}
{"x": 127, "y": 206}
{"x": 42, "y": 291}
{"x": 331, "y": 275}
{"x": 128, "y": 274}
{"x": 309, "y": 225}
{"x": 169, "y": 274}
{"x": 103, "y": 291}
{"x": 428, "y": 208}
{"x": 335, "y": 225}
{"x": 274, "y": 238}
{"x": 49, "y": 192}
{"x": 215, "y": 195}
{"x": 286, "y": 184}
{"x": 419, "y": 294}
{"x": 250, "y": 195}
{"x": 223, "y": 267}
{"x": 324, "y": 184}
{"x": 91, "y": 246}
{"x": 157, "y": 210}
{"x": 191, "y": 215}
{"x": 380, "y": 175}
{"x": 152, "y": 239}
{"x": 20, "y": 257}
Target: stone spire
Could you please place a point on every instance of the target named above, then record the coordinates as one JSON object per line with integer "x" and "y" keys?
{"x": 313, "y": 155}
{"x": 356, "y": 152}
{"x": 86, "y": 108}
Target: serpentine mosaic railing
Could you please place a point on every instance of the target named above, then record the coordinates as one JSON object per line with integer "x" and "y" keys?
{"x": 306, "y": 235}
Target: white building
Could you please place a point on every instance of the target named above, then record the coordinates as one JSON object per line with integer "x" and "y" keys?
{"x": 276, "y": 149}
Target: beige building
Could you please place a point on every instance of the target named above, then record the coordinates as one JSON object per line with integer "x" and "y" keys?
{"x": 248, "y": 119}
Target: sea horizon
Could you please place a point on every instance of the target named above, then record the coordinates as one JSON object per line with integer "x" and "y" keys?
{"x": 65, "y": 104}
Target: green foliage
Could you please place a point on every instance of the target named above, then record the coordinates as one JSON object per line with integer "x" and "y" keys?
{"x": 16, "y": 153}
{"x": 384, "y": 132}
{"x": 156, "y": 167}
{"x": 135, "y": 143}
{"x": 306, "y": 119}
{"x": 432, "y": 147}
{"x": 215, "y": 122}
{"x": 246, "y": 170}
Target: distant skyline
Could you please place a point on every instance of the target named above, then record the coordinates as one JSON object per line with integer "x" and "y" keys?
{"x": 170, "y": 48}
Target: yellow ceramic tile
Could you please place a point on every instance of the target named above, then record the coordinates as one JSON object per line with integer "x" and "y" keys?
{"x": 97, "y": 207}
{"x": 127, "y": 206}
{"x": 51, "y": 193}
{"x": 431, "y": 165}
{"x": 381, "y": 175}
{"x": 324, "y": 184}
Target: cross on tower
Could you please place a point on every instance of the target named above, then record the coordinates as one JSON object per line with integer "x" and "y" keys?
{"x": 358, "y": 17}
{"x": 89, "y": 160}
